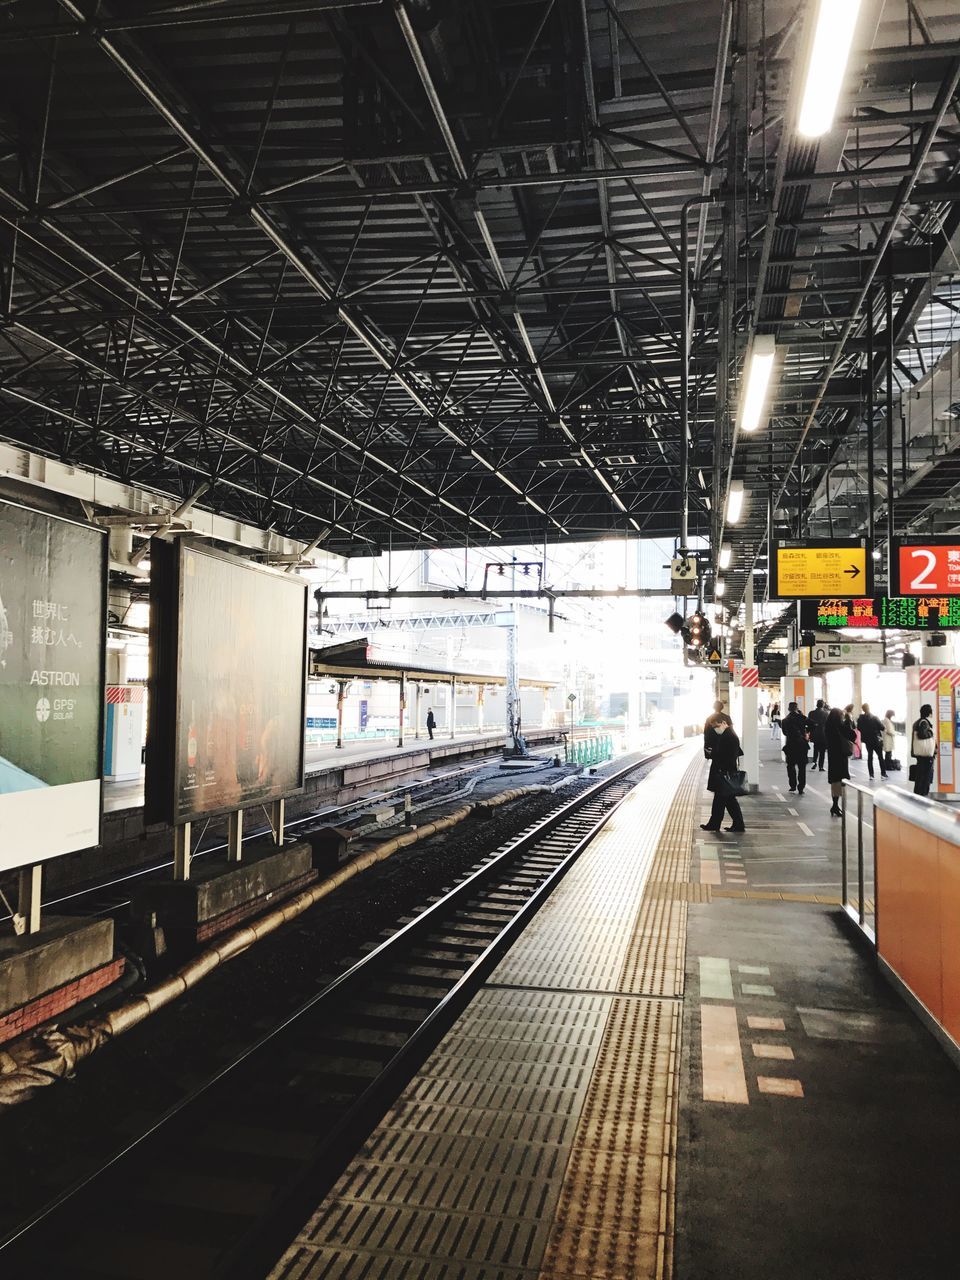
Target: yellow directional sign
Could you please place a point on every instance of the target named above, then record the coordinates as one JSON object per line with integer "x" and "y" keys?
{"x": 840, "y": 568}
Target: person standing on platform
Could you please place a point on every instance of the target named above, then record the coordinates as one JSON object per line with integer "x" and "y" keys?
{"x": 722, "y": 748}
{"x": 923, "y": 748}
{"x": 840, "y": 735}
{"x": 889, "y": 739}
{"x": 775, "y": 722}
{"x": 818, "y": 733}
{"x": 717, "y": 716}
{"x": 796, "y": 733}
{"x": 431, "y": 722}
{"x": 871, "y": 736}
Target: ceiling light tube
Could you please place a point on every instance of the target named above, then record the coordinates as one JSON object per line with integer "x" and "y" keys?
{"x": 756, "y": 381}
{"x": 726, "y": 555}
{"x": 829, "y": 51}
{"x": 735, "y": 497}
{"x": 719, "y": 589}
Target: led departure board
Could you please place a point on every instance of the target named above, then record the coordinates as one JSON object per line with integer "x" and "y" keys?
{"x": 907, "y": 613}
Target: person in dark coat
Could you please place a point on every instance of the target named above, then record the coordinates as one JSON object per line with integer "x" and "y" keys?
{"x": 871, "y": 736}
{"x": 722, "y": 748}
{"x": 431, "y": 722}
{"x": 818, "y": 734}
{"x": 840, "y": 735}
{"x": 923, "y": 748}
{"x": 796, "y": 730}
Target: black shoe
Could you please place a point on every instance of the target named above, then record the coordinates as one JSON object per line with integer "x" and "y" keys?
{"x": 734, "y": 828}
{"x": 800, "y": 792}
{"x": 793, "y": 788}
{"x": 871, "y": 775}
{"x": 705, "y": 826}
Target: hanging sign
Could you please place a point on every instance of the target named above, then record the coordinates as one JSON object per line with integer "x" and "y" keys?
{"x": 926, "y": 566}
{"x": 908, "y": 613}
{"x": 806, "y": 568}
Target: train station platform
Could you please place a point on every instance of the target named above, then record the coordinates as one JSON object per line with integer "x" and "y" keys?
{"x": 360, "y": 761}
{"x": 686, "y": 1066}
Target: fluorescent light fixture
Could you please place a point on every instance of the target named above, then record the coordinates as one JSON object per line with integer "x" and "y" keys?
{"x": 829, "y": 51}
{"x": 726, "y": 555}
{"x": 756, "y": 381}
{"x": 735, "y": 497}
{"x": 719, "y": 590}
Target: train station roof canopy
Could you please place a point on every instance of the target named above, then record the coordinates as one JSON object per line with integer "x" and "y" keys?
{"x": 409, "y": 273}
{"x": 359, "y": 659}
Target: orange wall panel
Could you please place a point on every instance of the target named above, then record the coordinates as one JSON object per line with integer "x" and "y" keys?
{"x": 920, "y": 965}
{"x": 889, "y": 881}
{"x": 950, "y": 935}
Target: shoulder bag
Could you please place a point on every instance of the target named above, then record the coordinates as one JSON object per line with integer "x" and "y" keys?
{"x": 732, "y": 783}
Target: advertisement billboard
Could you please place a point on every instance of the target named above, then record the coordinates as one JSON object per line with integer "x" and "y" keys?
{"x": 228, "y": 654}
{"x": 53, "y": 574}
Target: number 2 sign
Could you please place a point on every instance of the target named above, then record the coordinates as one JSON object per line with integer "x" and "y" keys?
{"x": 927, "y": 567}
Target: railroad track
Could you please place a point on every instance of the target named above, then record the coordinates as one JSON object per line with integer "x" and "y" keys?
{"x": 225, "y": 1180}
{"x": 112, "y": 896}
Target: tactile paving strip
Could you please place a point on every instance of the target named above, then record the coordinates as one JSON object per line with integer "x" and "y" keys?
{"x": 616, "y": 1212}
{"x": 467, "y": 1165}
{"x": 598, "y": 901}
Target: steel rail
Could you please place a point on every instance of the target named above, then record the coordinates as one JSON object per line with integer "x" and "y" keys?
{"x": 279, "y": 1068}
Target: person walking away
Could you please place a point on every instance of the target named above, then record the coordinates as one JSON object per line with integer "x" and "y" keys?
{"x": 775, "y": 722}
{"x": 431, "y": 722}
{"x": 923, "y": 748}
{"x": 889, "y": 739}
{"x": 796, "y": 731}
{"x": 871, "y": 735}
{"x": 722, "y": 748}
{"x": 840, "y": 735}
{"x": 818, "y": 733}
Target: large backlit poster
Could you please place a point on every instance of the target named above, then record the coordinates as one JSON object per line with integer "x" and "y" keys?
{"x": 52, "y": 618}
{"x": 230, "y": 653}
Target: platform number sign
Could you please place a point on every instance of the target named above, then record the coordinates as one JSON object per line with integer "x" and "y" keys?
{"x": 926, "y": 566}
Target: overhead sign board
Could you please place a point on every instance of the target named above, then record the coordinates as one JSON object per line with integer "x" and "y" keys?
{"x": 838, "y": 654}
{"x": 926, "y": 566}
{"x": 906, "y": 613}
{"x": 53, "y": 577}
{"x": 811, "y": 568}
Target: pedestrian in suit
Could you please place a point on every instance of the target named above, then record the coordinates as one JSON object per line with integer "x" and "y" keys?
{"x": 796, "y": 731}
{"x": 431, "y": 722}
{"x": 871, "y": 735}
{"x": 818, "y": 733}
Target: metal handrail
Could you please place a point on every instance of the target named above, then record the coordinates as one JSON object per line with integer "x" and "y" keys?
{"x": 859, "y": 912}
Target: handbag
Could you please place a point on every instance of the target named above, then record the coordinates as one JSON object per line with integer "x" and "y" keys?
{"x": 732, "y": 783}
{"x": 847, "y": 746}
{"x": 912, "y": 773}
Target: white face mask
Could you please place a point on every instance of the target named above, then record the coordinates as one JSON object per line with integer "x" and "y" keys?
{"x": 720, "y": 728}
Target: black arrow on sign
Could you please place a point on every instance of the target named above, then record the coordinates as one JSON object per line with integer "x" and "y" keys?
{"x": 853, "y": 571}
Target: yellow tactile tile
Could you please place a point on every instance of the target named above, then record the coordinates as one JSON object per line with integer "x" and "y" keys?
{"x": 615, "y": 1215}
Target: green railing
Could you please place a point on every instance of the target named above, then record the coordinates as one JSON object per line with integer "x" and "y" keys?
{"x": 588, "y": 751}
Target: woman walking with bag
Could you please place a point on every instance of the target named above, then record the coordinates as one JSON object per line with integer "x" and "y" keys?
{"x": 841, "y": 735}
{"x": 722, "y": 748}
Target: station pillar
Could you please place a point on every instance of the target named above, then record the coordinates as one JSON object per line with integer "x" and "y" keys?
{"x": 480, "y": 692}
{"x": 857, "y": 689}
{"x": 748, "y": 698}
{"x": 453, "y": 707}
{"x": 403, "y": 706}
{"x": 417, "y": 696}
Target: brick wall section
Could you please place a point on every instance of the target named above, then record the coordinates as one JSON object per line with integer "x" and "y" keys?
{"x": 219, "y": 924}
{"x": 55, "y": 1002}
